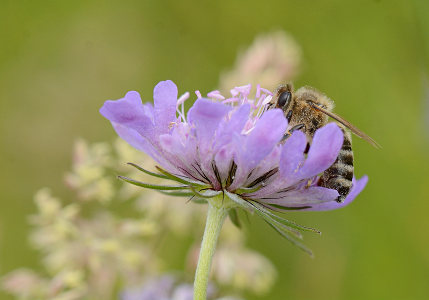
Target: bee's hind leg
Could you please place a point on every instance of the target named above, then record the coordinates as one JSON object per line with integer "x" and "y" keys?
{"x": 289, "y": 132}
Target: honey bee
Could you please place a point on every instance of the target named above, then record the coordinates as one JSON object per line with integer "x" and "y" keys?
{"x": 307, "y": 110}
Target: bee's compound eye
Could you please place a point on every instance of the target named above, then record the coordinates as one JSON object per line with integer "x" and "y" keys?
{"x": 284, "y": 99}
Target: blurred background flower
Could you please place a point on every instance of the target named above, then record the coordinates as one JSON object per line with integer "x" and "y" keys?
{"x": 272, "y": 58}
{"x": 90, "y": 252}
{"x": 60, "y": 60}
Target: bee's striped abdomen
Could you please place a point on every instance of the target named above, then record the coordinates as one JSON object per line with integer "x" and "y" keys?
{"x": 339, "y": 176}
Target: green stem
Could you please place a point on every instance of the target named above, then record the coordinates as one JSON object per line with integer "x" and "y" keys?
{"x": 215, "y": 217}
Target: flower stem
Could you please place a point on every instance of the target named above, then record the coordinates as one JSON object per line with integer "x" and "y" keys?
{"x": 215, "y": 217}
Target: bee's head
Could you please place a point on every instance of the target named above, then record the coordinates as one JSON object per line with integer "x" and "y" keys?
{"x": 284, "y": 96}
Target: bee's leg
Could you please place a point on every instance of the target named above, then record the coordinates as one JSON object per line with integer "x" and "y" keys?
{"x": 289, "y": 132}
{"x": 307, "y": 148}
{"x": 289, "y": 115}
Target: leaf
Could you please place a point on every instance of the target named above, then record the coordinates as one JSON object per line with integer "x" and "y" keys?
{"x": 233, "y": 216}
{"x": 153, "y": 186}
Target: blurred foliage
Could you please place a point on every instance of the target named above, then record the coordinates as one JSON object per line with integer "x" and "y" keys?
{"x": 59, "y": 60}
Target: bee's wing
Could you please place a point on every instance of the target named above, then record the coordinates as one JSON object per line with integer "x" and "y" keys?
{"x": 350, "y": 126}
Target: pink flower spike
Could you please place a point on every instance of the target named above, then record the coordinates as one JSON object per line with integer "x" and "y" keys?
{"x": 197, "y": 92}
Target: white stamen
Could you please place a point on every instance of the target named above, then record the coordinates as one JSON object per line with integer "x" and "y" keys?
{"x": 183, "y": 98}
{"x": 231, "y": 100}
{"x": 258, "y": 91}
{"x": 267, "y": 100}
{"x": 216, "y": 95}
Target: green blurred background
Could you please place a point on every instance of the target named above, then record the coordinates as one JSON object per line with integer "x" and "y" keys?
{"x": 59, "y": 60}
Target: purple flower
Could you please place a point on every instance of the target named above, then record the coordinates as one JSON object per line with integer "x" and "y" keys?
{"x": 231, "y": 147}
{"x": 165, "y": 287}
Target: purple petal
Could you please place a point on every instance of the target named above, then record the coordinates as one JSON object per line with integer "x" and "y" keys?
{"x": 261, "y": 140}
{"x": 179, "y": 147}
{"x": 270, "y": 162}
{"x": 206, "y": 116}
{"x": 165, "y": 101}
{"x": 292, "y": 154}
{"x": 129, "y": 113}
{"x": 137, "y": 141}
{"x": 255, "y": 146}
{"x": 223, "y": 159}
{"x": 309, "y": 196}
{"x": 324, "y": 150}
{"x": 228, "y": 128}
{"x": 291, "y": 158}
{"x": 358, "y": 186}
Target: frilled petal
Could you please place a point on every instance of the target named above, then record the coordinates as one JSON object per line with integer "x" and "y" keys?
{"x": 268, "y": 164}
{"x": 165, "y": 101}
{"x": 137, "y": 141}
{"x": 229, "y": 127}
{"x": 292, "y": 154}
{"x": 223, "y": 147}
{"x": 206, "y": 116}
{"x": 309, "y": 196}
{"x": 223, "y": 160}
{"x": 291, "y": 158}
{"x": 261, "y": 140}
{"x": 323, "y": 152}
{"x": 255, "y": 146}
{"x": 179, "y": 146}
{"x": 358, "y": 186}
{"x": 129, "y": 113}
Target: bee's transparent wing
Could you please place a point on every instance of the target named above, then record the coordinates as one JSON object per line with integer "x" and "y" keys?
{"x": 350, "y": 126}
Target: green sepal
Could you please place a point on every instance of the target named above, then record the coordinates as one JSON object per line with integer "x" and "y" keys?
{"x": 285, "y": 221}
{"x": 199, "y": 200}
{"x": 153, "y": 186}
{"x": 148, "y": 172}
{"x": 177, "y": 194}
{"x": 262, "y": 212}
{"x": 179, "y": 179}
{"x": 288, "y": 207}
{"x": 291, "y": 239}
{"x": 207, "y": 194}
{"x": 248, "y": 190}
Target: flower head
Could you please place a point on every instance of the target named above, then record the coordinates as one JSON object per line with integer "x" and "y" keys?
{"x": 231, "y": 147}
